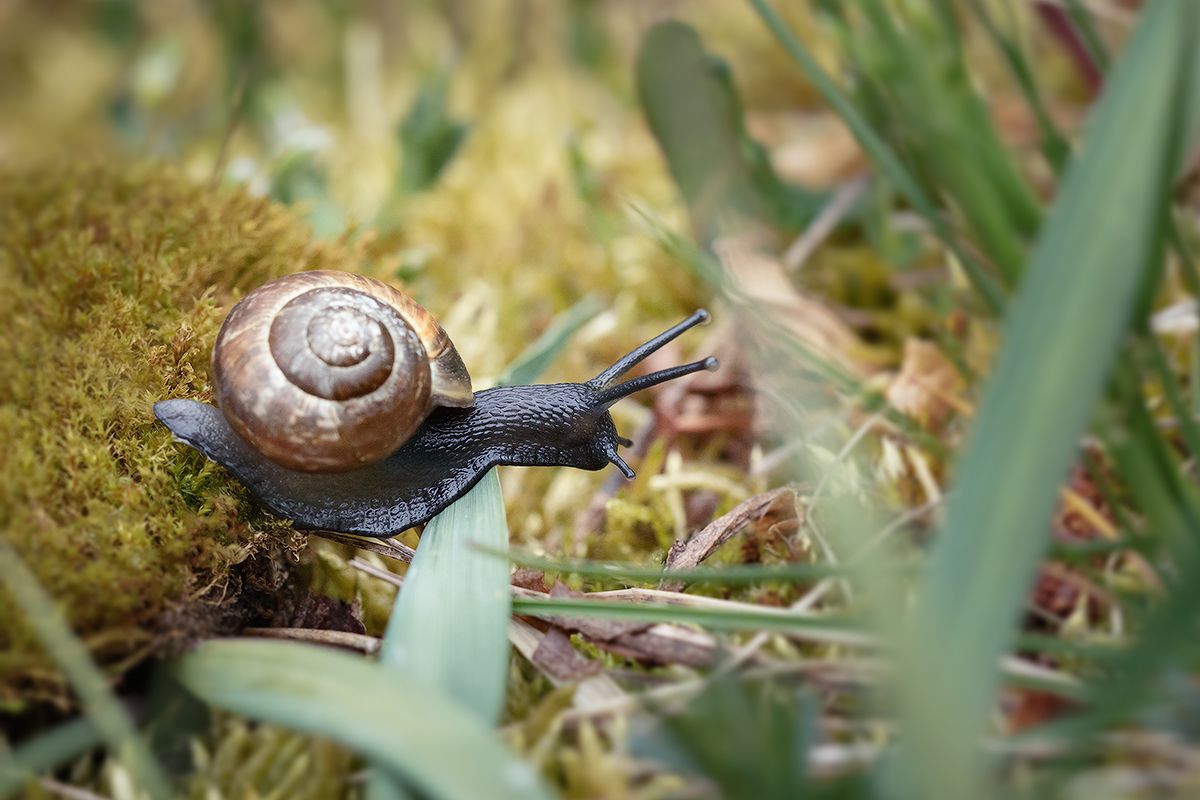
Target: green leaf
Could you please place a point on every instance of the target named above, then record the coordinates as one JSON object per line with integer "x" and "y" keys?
{"x": 1055, "y": 146}
{"x": 449, "y": 628}
{"x": 912, "y": 68}
{"x": 1062, "y": 334}
{"x": 401, "y": 726}
{"x": 86, "y": 679}
{"x": 750, "y": 739}
{"x": 718, "y": 616}
{"x": 429, "y": 138}
{"x": 45, "y": 752}
{"x": 695, "y": 114}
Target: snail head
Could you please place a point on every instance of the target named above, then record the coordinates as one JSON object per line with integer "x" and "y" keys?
{"x": 587, "y": 424}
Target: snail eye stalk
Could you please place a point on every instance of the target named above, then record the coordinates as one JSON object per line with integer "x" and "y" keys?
{"x": 612, "y": 394}
{"x": 635, "y": 356}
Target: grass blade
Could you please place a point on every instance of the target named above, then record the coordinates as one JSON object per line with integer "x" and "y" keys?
{"x": 730, "y": 574}
{"x": 449, "y": 627}
{"x": 533, "y": 360}
{"x": 695, "y": 113}
{"x": 724, "y": 617}
{"x": 882, "y": 154}
{"x": 1055, "y": 146}
{"x": 456, "y": 592}
{"x": 85, "y": 677}
{"x": 931, "y": 111}
{"x": 46, "y": 751}
{"x": 443, "y": 749}
{"x": 1063, "y": 332}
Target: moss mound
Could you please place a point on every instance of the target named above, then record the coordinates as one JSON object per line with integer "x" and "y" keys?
{"x": 113, "y": 282}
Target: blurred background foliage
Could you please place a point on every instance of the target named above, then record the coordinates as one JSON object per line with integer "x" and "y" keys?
{"x": 866, "y": 190}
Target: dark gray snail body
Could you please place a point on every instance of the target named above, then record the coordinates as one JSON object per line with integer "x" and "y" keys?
{"x": 561, "y": 424}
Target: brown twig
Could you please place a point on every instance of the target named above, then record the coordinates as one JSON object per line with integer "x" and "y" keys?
{"x": 688, "y": 554}
{"x": 360, "y": 642}
{"x": 384, "y": 547}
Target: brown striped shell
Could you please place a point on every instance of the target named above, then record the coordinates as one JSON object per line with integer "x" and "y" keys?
{"x": 327, "y": 371}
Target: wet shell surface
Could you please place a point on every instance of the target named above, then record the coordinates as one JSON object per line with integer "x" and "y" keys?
{"x": 328, "y": 371}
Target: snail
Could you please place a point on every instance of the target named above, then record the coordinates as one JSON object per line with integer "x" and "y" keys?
{"x": 343, "y": 406}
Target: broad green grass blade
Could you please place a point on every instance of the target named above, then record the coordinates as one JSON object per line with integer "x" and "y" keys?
{"x": 695, "y": 114}
{"x": 85, "y": 677}
{"x": 1062, "y": 334}
{"x": 45, "y": 752}
{"x": 399, "y": 724}
{"x": 449, "y": 628}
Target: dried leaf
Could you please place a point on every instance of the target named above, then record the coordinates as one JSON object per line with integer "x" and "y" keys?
{"x": 689, "y": 554}
{"x": 557, "y": 658}
{"x": 763, "y": 280}
{"x": 929, "y": 386}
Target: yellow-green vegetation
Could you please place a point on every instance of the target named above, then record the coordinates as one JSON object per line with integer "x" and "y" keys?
{"x": 113, "y": 281}
{"x": 940, "y": 494}
{"x": 265, "y": 761}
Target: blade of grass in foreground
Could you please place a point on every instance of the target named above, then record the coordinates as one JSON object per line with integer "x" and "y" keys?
{"x": 625, "y": 573}
{"x": 400, "y": 725}
{"x": 1062, "y": 334}
{"x": 45, "y": 752}
{"x": 85, "y": 677}
{"x": 842, "y": 631}
{"x": 449, "y": 627}
{"x": 742, "y": 617}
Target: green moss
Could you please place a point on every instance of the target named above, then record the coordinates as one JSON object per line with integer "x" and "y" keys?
{"x": 113, "y": 281}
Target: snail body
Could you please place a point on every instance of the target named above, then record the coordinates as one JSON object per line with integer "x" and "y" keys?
{"x": 456, "y": 438}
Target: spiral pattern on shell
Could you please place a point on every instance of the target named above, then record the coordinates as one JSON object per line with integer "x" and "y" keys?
{"x": 327, "y": 371}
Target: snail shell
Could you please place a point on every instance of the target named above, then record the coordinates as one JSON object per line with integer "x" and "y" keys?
{"x": 328, "y": 371}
